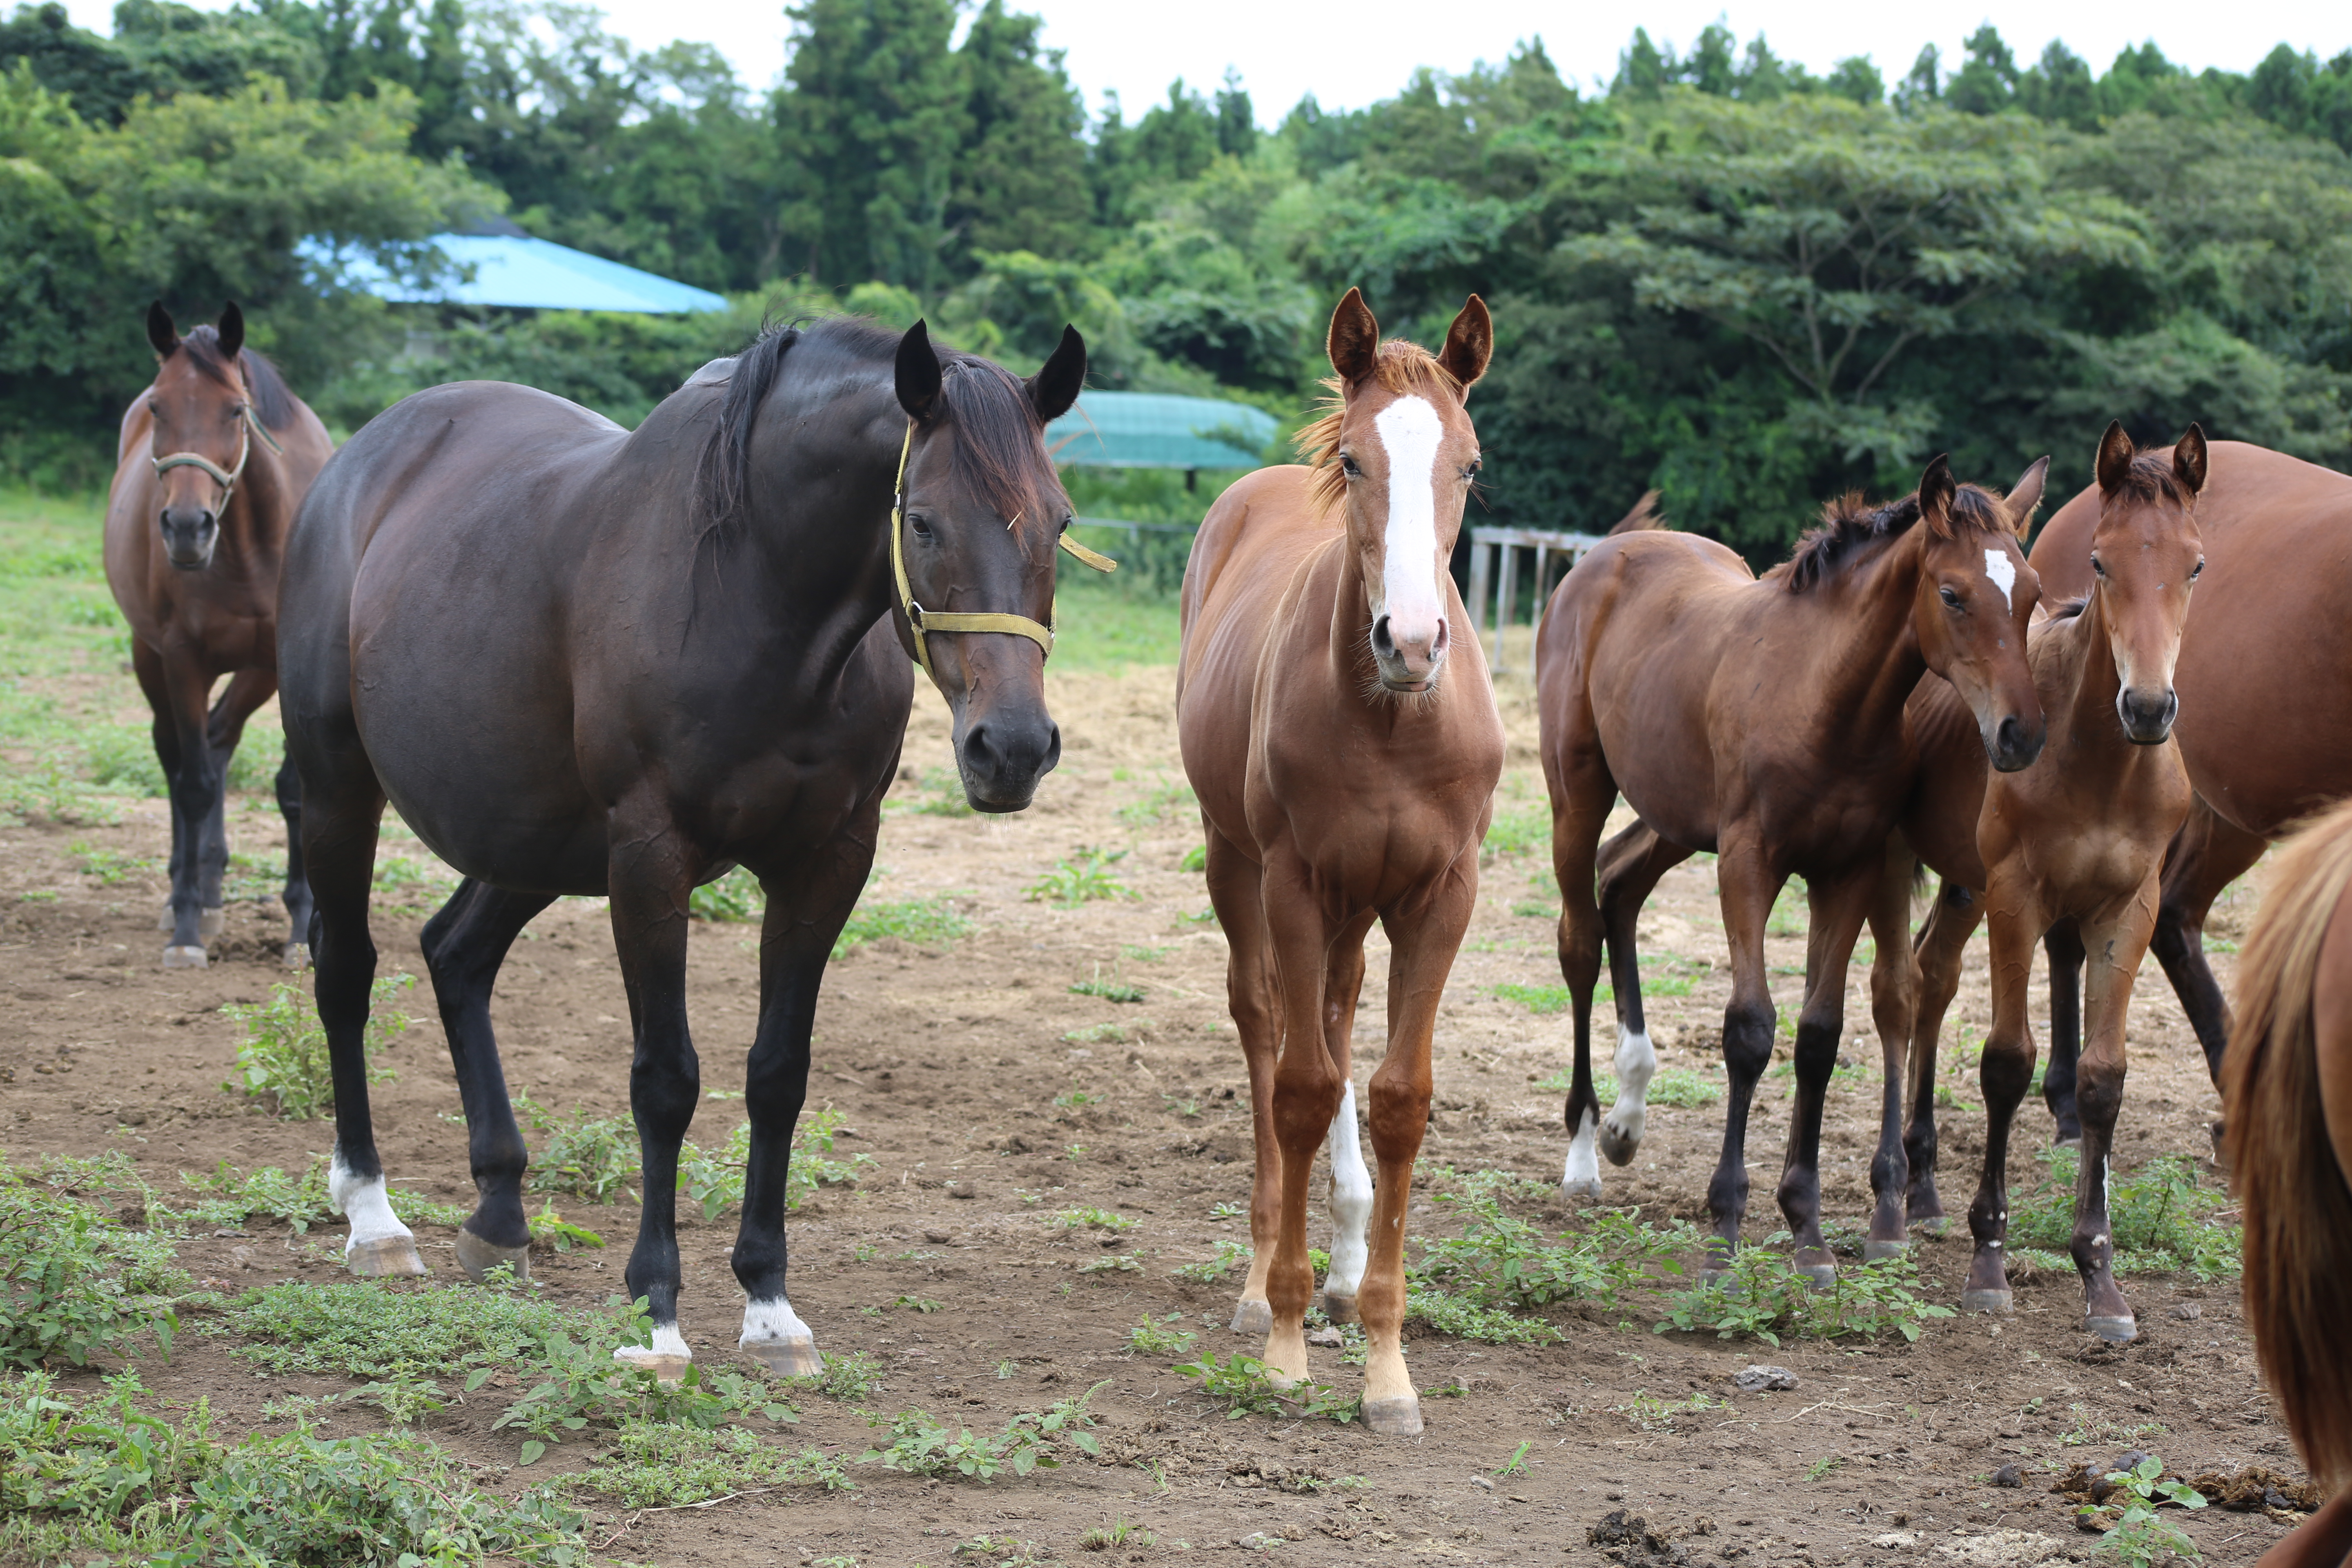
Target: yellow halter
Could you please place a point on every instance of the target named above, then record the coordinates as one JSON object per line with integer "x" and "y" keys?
{"x": 919, "y": 620}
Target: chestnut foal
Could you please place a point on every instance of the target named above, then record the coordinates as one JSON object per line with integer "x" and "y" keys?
{"x": 2081, "y": 838}
{"x": 1345, "y": 748}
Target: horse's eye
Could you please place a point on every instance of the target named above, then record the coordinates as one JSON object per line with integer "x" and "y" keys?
{"x": 1067, "y": 521}
{"x": 1951, "y": 599}
{"x": 2198, "y": 570}
{"x": 1347, "y": 465}
{"x": 2099, "y": 567}
{"x": 921, "y": 525}
{"x": 1472, "y": 471}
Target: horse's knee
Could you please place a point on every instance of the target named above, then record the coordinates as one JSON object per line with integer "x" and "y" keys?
{"x": 2006, "y": 1070}
{"x": 2099, "y": 1092}
{"x": 1748, "y": 1030}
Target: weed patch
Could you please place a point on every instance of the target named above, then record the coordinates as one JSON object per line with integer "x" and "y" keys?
{"x": 1082, "y": 879}
{"x": 1761, "y": 1296}
{"x": 1241, "y": 1381}
{"x": 922, "y": 923}
{"x": 1500, "y": 1260}
{"x": 283, "y": 1059}
{"x": 2160, "y": 1217}
{"x": 668, "y": 1466}
{"x": 73, "y": 1286}
{"x": 1031, "y": 1441}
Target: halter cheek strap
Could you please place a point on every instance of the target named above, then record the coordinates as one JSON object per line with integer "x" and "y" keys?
{"x": 921, "y": 621}
{"x": 247, "y": 429}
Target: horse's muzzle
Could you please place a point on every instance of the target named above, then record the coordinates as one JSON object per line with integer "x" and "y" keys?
{"x": 2148, "y": 715}
{"x": 189, "y": 535}
{"x": 1409, "y": 656}
{"x": 1002, "y": 758}
{"x": 2012, "y": 745}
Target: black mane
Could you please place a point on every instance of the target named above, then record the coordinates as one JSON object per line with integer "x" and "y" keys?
{"x": 271, "y": 400}
{"x": 998, "y": 454}
{"x": 1850, "y": 523}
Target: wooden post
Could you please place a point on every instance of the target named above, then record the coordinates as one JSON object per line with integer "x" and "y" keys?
{"x": 1478, "y": 606}
{"x": 1506, "y": 601}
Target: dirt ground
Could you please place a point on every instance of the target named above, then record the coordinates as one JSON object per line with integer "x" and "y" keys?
{"x": 948, "y": 1063}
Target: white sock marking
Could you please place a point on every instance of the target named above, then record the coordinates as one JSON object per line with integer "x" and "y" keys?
{"x": 1411, "y": 431}
{"x": 362, "y": 1199}
{"x": 772, "y": 1322}
{"x": 1581, "y": 1177}
{"x": 1351, "y": 1202}
{"x": 1637, "y": 1063}
{"x": 668, "y": 1341}
{"x": 2003, "y": 573}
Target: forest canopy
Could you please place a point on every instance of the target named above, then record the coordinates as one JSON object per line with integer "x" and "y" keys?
{"x": 1724, "y": 277}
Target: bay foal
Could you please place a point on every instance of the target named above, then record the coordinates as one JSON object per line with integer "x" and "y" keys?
{"x": 1345, "y": 746}
{"x": 1762, "y": 720}
{"x": 214, "y": 458}
{"x": 2081, "y": 838}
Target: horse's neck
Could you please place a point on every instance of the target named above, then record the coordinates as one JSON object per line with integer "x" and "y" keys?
{"x": 1867, "y": 658}
{"x": 832, "y": 569}
{"x": 2085, "y": 683}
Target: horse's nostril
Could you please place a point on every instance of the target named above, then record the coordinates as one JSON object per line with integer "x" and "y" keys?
{"x": 1383, "y": 640}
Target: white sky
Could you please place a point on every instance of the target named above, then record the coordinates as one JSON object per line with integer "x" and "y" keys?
{"x": 1349, "y": 55}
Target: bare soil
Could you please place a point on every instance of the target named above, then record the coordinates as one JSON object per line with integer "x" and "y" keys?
{"x": 948, "y": 1063}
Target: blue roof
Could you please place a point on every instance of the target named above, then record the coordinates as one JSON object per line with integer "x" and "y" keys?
{"x": 1150, "y": 431}
{"x": 517, "y": 271}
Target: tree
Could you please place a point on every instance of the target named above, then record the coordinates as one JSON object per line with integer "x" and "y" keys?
{"x": 1986, "y": 82}
{"x": 2059, "y": 88}
{"x": 1021, "y": 177}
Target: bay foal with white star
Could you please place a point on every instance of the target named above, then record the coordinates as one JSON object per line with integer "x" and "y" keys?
{"x": 1345, "y": 746}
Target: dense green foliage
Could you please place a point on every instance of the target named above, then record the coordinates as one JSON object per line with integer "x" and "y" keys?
{"x": 1726, "y": 278}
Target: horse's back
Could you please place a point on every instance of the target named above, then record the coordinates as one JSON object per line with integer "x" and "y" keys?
{"x": 2266, "y": 692}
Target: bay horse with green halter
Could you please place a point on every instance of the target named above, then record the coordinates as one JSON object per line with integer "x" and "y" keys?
{"x": 214, "y": 460}
{"x": 585, "y": 661}
{"x": 1345, "y": 745}
{"x": 2081, "y": 838}
{"x": 2286, "y": 1095}
{"x": 1762, "y": 720}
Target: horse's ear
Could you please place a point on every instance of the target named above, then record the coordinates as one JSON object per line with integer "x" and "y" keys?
{"x": 1052, "y": 389}
{"x": 232, "y": 331}
{"x": 1936, "y": 493}
{"x": 1469, "y": 344}
{"x": 160, "y": 331}
{"x": 2114, "y": 456}
{"x": 1355, "y": 339}
{"x": 2188, "y": 459}
{"x": 2025, "y": 495}
{"x": 917, "y": 373}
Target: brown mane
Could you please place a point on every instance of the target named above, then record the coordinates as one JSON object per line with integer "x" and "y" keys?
{"x": 2152, "y": 481}
{"x": 1401, "y": 367}
{"x": 1850, "y": 524}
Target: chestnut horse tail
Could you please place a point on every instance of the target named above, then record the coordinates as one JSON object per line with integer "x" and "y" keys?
{"x": 2298, "y": 1208}
{"x": 1642, "y": 518}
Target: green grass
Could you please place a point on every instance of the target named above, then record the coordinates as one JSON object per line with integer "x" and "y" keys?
{"x": 662, "y": 1465}
{"x": 921, "y": 922}
{"x": 369, "y": 1329}
{"x": 1101, "y": 627}
{"x": 1678, "y": 1087}
{"x": 2160, "y": 1217}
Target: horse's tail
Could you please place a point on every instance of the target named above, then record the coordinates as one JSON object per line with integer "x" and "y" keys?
{"x": 1642, "y": 518}
{"x": 2298, "y": 1208}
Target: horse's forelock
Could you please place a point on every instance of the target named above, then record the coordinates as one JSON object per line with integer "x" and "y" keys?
{"x": 1000, "y": 455}
{"x": 1850, "y": 523}
{"x": 1406, "y": 369}
{"x": 272, "y": 401}
{"x": 2150, "y": 479}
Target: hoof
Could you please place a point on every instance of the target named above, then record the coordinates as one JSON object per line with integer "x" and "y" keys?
{"x": 1819, "y": 1276}
{"x": 1617, "y": 1148}
{"x": 1339, "y": 1309}
{"x": 385, "y": 1258}
{"x": 1396, "y": 1417}
{"x": 665, "y": 1365}
{"x": 1583, "y": 1187}
{"x": 211, "y": 923}
{"x": 477, "y": 1256}
{"x": 298, "y": 955}
{"x": 787, "y": 1358}
{"x": 184, "y": 958}
{"x": 2072, "y": 1140}
{"x": 2003, "y": 1301}
{"x": 1873, "y": 1250}
{"x": 2115, "y": 1330}
{"x": 1937, "y": 1223}
{"x": 1253, "y": 1318}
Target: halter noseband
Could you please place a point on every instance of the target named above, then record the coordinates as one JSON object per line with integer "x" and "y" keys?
{"x": 919, "y": 620}
{"x": 248, "y": 426}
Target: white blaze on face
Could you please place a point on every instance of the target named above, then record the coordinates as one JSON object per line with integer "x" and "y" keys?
{"x": 1410, "y": 432}
{"x": 2003, "y": 573}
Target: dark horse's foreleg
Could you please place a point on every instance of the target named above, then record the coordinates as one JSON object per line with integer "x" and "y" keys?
{"x": 650, "y": 879}
{"x": 297, "y": 895}
{"x": 344, "y": 805}
{"x": 1942, "y": 943}
{"x": 808, "y": 903}
{"x": 2004, "y": 1073}
{"x": 247, "y": 690}
{"x": 1748, "y": 887}
{"x": 1893, "y": 983}
{"x": 464, "y": 945}
{"x": 1837, "y": 911}
{"x": 2062, "y": 945}
{"x": 177, "y": 692}
{"x": 1631, "y": 865}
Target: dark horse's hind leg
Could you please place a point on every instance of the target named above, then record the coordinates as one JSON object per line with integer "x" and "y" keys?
{"x": 297, "y": 895}
{"x": 464, "y": 946}
{"x": 807, "y": 907}
{"x": 2062, "y": 945}
{"x": 2205, "y": 857}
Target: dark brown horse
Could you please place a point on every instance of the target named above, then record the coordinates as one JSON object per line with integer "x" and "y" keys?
{"x": 2079, "y": 837}
{"x": 2278, "y": 547}
{"x": 583, "y": 660}
{"x": 2286, "y": 1085}
{"x": 1345, "y": 746}
{"x": 214, "y": 458}
{"x": 1763, "y": 721}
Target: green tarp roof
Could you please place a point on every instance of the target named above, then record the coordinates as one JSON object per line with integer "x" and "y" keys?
{"x": 1150, "y": 431}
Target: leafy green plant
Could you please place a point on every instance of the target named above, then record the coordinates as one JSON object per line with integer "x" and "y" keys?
{"x": 1761, "y": 1296}
{"x": 851, "y": 1379}
{"x": 64, "y": 1294}
{"x": 1241, "y": 1381}
{"x": 941, "y": 794}
{"x": 651, "y": 1465}
{"x": 921, "y": 922}
{"x": 1678, "y": 1087}
{"x": 1499, "y": 1261}
{"x": 1082, "y": 879}
{"x": 283, "y": 1058}
{"x": 733, "y": 898}
{"x": 715, "y": 1181}
{"x": 1114, "y": 1532}
{"x": 107, "y": 868}
{"x": 1196, "y": 858}
{"x": 1151, "y": 807}
{"x": 581, "y": 1386}
{"x": 1652, "y": 1414}
{"x": 2135, "y": 1533}
{"x": 1099, "y": 1035}
{"x": 1542, "y": 998}
{"x": 552, "y": 1232}
{"x": 1147, "y": 1338}
{"x": 1033, "y": 1440}
{"x": 1111, "y": 990}
{"x": 1212, "y": 1269}
{"x": 364, "y": 1329}
{"x": 2160, "y": 1217}
{"x": 232, "y": 1197}
{"x": 1090, "y": 1218}
{"x": 588, "y": 1157}
{"x": 100, "y": 1456}
{"x": 1113, "y": 1263}
{"x": 1465, "y": 1319}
